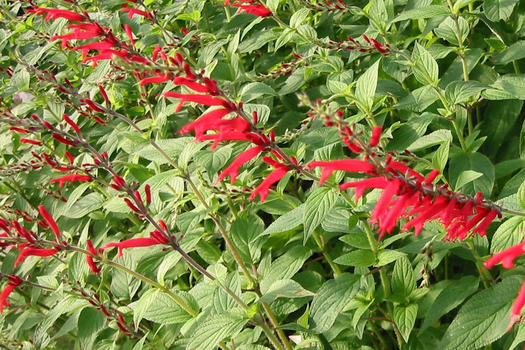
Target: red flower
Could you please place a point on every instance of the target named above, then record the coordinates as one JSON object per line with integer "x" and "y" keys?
{"x": 14, "y": 281}
{"x": 63, "y": 140}
{"x": 362, "y": 185}
{"x": 231, "y": 136}
{"x": 129, "y": 33}
{"x": 349, "y": 165}
{"x": 132, "y": 12}
{"x": 147, "y": 190}
{"x": 506, "y": 257}
{"x": 376, "y": 136}
{"x": 202, "y": 124}
{"x": 136, "y": 242}
{"x": 201, "y": 99}
{"x": 31, "y": 142}
{"x": 49, "y": 219}
{"x": 258, "y": 9}
{"x": 70, "y": 178}
{"x": 155, "y": 80}
{"x": 34, "y": 252}
{"x": 89, "y": 258}
{"x": 56, "y": 13}
{"x": 243, "y": 158}
{"x": 264, "y": 187}
{"x": 71, "y": 123}
{"x": 93, "y": 46}
{"x": 189, "y": 83}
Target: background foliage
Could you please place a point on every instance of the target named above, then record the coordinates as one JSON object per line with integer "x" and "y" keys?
{"x": 302, "y": 268}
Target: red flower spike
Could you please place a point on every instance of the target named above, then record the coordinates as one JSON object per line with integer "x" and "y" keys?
{"x": 93, "y": 106}
{"x": 74, "y": 36}
{"x": 147, "y": 190}
{"x": 34, "y": 252}
{"x": 71, "y": 178}
{"x": 243, "y": 158}
{"x": 100, "y": 46}
{"x": 506, "y": 257}
{"x": 49, "y": 220}
{"x": 201, "y": 99}
{"x": 119, "y": 180}
{"x": 264, "y": 187}
{"x": 56, "y": 13}
{"x": 230, "y": 136}
{"x": 132, "y": 243}
{"x": 348, "y": 165}
{"x": 155, "y": 80}
{"x": 137, "y": 196}
{"x": 31, "y": 142}
{"x": 91, "y": 248}
{"x": 71, "y": 123}
{"x": 20, "y": 130}
{"x": 397, "y": 168}
{"x": 376, "y": 136}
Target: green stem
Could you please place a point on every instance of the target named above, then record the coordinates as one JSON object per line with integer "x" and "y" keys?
{"x": 327, "y": 256}
{"x": 459, "y": 135}
{"x": 483, "y": 272}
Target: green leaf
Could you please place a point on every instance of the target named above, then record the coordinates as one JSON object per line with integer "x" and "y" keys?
{"x": 426, "y": 69}
{"x": 423, "y": 12}
{"x": 285, "y": 266}
{"x": 159, "y": 307}
{"x": 217, "y": 328}
{"x": 361, "y": 258}
{"x": 513, "y": 53}
{"x": 497, "y": 10}
{"x": 317, "y": 206}
{"x": 172, "y": 147}
{"x": 85, "y": 205}
{"x": 461, "y": 91}
{"x": 405, "y": 318}
{"x": 330, "y": 300}
{"x": 479, "y": 323}
{"x": 466, "y": 177}
{"x": 244, "y": 233}
{"x": 91, "y": 323}
{"x": 123, "y": 285}
{"x": 286, "y": 222}
{"x": 255, "y": 90}
{"x": 510, "y": 233}
{"x": 521, "y": 195}
{"x": 284, "y": 289}
{"x": 357, "y": 240}
{"x": 299, "y": 17}
{"x": 386, "y": 256}
{"x": 403, "y": 278}
{"x": 449, "y": 298}
{"x": 435, "y": 138}
{"x": 366, "y": 86}
{"x": 514, "y": 84}
{"x": 448, "y": 30}
{"x": 272, "y": 5}
{"x": 478, "y": 163}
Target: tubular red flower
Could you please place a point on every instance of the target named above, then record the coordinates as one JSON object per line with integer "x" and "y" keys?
{"x": 132, "y": 12}
{"x": 201, "y": 99}
{"x": 131, "y": 243}
{"x": 147, "y": 190}
{"x": 34, "y": 252}
{"x": 71, "y": 123}
{"x": 131, "y": 205}
{"x": 517, "y": 306}
{"x": 104, "y": 94}
{"x": 200, "y": 125}
{"x": 264, "y": 187}
{"x": 91, "y": 248}
{"x": 63, "y": 140}
{"x": 156, "y": 51}
{"x": 49, "y": 219}
{"x": 31, "y": 142}
{"x": 92, "y": 265}
{"x": 70, "y": 178}
{"x": 93, "y": 106}
{"x": 258, "y": 10}
{"x": 349, "y": 165}
{"x": 75, "y": 36}
{"x": 376, "y": 136}
{"x": 20, "y": 130}
{"x": 362, "y": 185}
{"x": 129, "y": 33}
{"x": 191, "y": 84}
{"x": 155, "y": 80}
{"x": 230, "y": 136}
{"x": 506, "y": 257}
{"x": 56, "y": 13}
{"x": 5, "y": 294}
{"x": 397, "y": 167}
{"x": 243, "y": 158}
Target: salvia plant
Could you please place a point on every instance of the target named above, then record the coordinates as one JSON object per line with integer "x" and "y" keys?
{"x": 189, "y": 174}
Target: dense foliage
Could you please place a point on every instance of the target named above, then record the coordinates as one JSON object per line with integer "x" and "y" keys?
{"x": 251, "y": 175}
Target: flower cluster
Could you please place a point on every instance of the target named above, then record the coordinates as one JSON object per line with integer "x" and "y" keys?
{"x": 370, "y": 45}
{"x": 14, "y": 281}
